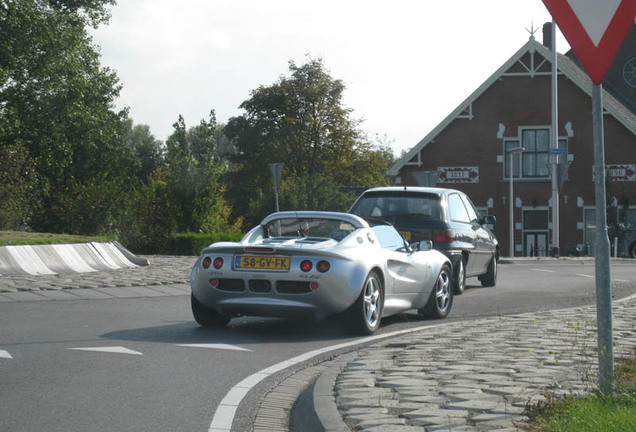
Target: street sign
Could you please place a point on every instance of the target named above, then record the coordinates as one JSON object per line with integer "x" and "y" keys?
{"x": 594, "y": 29}
{"x": 558, "y": 151}
{"x": 276, "y": 169}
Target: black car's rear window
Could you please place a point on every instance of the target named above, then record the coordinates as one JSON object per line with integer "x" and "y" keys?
{"x": 398, "y": 205}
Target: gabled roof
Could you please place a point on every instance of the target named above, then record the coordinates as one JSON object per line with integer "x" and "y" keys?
{"x": 566, "y": 66}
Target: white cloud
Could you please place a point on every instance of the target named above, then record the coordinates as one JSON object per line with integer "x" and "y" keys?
{"x": 406, "y": 64}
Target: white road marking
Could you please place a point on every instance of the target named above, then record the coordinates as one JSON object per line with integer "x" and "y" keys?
{"x": 544, "y": 270}
{"x": 584, "y": 275}
{"x": 5, "y": 354}
{"x": 115, "y": 349}
{"x": 225, "y": 412}
{"x": 215, "y": 346}
{"x": 620, "y": 280}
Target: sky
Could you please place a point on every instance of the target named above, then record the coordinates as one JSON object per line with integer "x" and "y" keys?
{"x": 406, "y": 64}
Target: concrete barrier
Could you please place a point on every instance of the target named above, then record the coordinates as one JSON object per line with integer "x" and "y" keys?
{"x": 66, "y": 258}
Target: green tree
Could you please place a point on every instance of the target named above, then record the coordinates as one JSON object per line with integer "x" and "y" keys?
{"x": 56, "y": 104}
{"x": 224, "y": 149}
{"x": 150, "y": 223}
{"x": 193, "y": 175}
{"x": 147, "y": 151}
{"x": 314, "y": 192}
{"x": 301, "y": 122}
{"x": 18, "y": 182}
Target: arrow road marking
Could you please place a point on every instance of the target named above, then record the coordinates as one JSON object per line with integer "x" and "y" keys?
{"x": 215, "y": 346}
{"x": 5, "y": 354}
{"x": 115, "y": 349}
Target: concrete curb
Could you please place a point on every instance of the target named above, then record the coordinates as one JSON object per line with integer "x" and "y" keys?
{"x": 66, "y": 258}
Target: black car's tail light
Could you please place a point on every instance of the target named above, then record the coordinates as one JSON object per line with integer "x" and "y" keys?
{"x": 206, "y": 262}
{"x": 218, "y": 263}
{"x": 443, "y": 236}
{"x": 323, "y": 266}
{"x": 306, "y": 266}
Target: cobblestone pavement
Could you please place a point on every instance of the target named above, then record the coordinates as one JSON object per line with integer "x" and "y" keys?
{"x": 165, "y": 275}
{"x": 162, "y": 270}
{"x": 479, "y": 377}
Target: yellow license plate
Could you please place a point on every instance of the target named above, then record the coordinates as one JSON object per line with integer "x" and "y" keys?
{"x": 406, "y": 235}
{"x": 260, "y": 262}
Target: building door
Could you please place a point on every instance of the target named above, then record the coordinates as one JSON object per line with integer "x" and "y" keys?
{"x": 535, "y": 232}
{"x": 536, "y": 244}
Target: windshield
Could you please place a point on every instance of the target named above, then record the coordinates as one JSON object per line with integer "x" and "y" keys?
{"x": 309, "y": 227}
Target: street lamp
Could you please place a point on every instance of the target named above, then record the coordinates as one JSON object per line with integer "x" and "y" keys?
{"x": 511, "y": 173}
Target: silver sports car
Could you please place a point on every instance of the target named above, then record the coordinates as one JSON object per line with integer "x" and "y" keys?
{"x": 320, "y": 264}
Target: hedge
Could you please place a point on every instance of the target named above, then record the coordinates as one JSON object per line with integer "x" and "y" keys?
{"x": 193, "y": 243}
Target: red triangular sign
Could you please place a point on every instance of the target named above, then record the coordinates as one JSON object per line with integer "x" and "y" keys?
{"x": 595, "y": 29}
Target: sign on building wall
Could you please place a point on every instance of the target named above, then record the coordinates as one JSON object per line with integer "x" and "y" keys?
{"x": 621, "y": 172}
{"x": 458, "y": 174}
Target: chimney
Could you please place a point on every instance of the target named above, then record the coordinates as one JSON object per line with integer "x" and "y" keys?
{"x": 547, "y": 35}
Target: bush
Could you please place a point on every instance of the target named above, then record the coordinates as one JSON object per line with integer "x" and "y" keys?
{"x": 193, "y": 243}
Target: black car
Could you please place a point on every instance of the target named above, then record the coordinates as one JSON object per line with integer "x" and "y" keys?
{"x": 447, "y": 217}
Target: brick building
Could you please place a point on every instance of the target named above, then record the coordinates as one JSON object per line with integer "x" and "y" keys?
{"x": 469, "y": 149}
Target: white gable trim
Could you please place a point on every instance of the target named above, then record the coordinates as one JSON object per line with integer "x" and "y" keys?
{"x": 566, "y": 67}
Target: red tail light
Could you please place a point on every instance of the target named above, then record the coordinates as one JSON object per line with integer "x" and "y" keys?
{"x": 218, "y": 263}
{"x": 206, "y": 262}
{"x": 306, "y": 266}
{"x": 443, "y": 236}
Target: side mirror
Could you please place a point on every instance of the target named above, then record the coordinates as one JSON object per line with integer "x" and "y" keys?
{"x": 489, "y": 220}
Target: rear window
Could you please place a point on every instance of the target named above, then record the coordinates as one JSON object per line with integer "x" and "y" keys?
{"x": 398, "y": 208}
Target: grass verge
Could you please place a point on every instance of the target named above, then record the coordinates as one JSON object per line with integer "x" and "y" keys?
{"x": 594, "y": 413}
{"x": 13, "y": 238}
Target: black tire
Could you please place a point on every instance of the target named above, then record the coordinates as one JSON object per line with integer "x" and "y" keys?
{"x": 459, "y": 279}
{"x": 366, "y": 312}
{"x": 632, "y": 250}
{"x": 489, "y": 279}
{"x": 207, "y": 317}
{"x": 440, "y": 302}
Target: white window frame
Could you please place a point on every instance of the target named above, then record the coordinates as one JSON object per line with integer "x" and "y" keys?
{"x": 519, "y": 159}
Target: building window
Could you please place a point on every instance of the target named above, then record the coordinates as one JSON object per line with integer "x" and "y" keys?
{"x": 533, "y": 163}
{"x": 535, "y": 156}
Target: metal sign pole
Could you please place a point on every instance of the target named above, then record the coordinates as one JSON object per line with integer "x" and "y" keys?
{"x": 276, "y": 169}
{"x": 555, "y": 145}
{"x": 602, "y": 252}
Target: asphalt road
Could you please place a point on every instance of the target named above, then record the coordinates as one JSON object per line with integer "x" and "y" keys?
{"x": 158, "y": 371}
